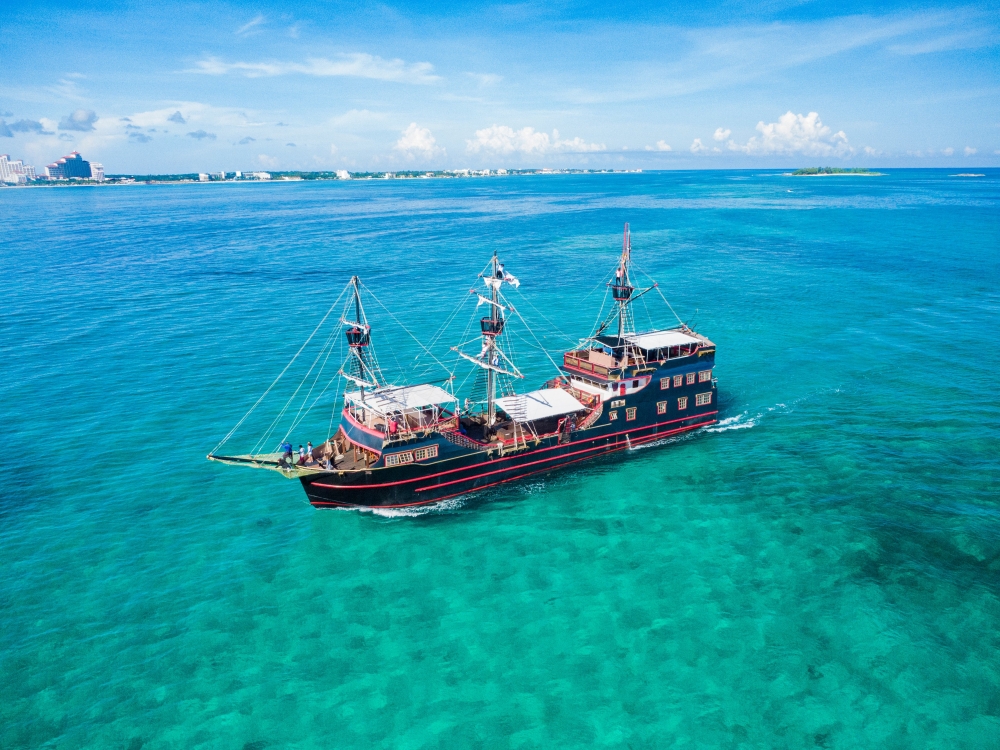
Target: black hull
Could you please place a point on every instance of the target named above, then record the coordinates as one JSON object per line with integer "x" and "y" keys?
{"x": 417, "y": 485}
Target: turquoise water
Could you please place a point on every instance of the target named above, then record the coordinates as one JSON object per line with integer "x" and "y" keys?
{"x": 821, "y": 570}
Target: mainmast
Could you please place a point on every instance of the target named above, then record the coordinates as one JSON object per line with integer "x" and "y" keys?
{"x": 491, "y": 356}
{"x": 490, "y": 333}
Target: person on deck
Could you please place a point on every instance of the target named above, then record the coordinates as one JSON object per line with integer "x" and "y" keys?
{"x": 393, "y": 427}
{"x": 302, "y": 455}
{"x": 309, "y": 450}
{"x": 286, "y": 451}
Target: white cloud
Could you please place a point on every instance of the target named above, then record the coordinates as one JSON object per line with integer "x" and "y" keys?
{"x": 969, "y": 151}
{"x": 247, "y": 28}
{"x": 503, "y": 139}
{"x": 721, "y": 134}
{"x": 660, "y": 146}
{"x": 697, "y": 146}
{"x": 948, "y": 151}
{"x": 418, "y": 141}
{"x": 267, "y": 161}
{"x": 357, "y": 118}
{"x": 485, "y": 79}
{"x": 796, "y": 134}
{"x": 869, "y": 151}
{"x": 80, "y": 119}
{"x": 357, "y": 64}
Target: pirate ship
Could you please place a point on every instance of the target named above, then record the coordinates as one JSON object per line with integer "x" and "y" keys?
{"x": 408, "y": 445}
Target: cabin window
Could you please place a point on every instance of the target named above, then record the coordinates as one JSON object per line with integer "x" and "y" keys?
{"x": 635, "y": 383}
{"x": 630, "y": 414}
{"x": 690, "y": 378}
{"x": 704, "y": 376}
{"x": 395, "y": 459}
{"x": 678, "y": 381}
{"x": 664, "y": 383}
{"x": 422, "y": 454}
{"x": 682, "y": 403}
{"x": 703, "y": 398}
{"x": 661, "y": 407}
{"x": 612, "y": 415}
{"x": 616, "y": 404}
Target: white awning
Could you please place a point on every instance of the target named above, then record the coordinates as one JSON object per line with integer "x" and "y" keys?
{"x": 388, "y": 400}
{"x": 660, "y": 339}
{"x": 548, "y": 402}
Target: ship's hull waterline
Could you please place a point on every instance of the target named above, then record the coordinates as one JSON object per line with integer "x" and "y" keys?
{"x": 424, "y": 484}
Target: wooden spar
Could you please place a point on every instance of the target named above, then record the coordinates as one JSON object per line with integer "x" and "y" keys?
{"x": 486, "y": 365}
{"x": 358, "y": 381}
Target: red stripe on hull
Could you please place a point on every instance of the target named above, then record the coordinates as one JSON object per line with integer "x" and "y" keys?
{"x": 510, "y": 458}
{"x": 606, "y": 450}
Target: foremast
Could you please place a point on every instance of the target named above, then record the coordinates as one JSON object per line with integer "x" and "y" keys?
{"x": 362, "y": 365}
{"x": 622, "y": 288}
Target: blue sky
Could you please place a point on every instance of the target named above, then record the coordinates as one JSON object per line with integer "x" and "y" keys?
{"x": 189, "y": 86}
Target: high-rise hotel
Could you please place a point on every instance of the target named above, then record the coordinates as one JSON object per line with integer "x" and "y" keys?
{"x": 74, "y": 166}
{"x": 15, "y": 171}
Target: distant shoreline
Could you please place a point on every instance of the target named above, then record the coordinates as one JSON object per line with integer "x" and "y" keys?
{"x": 193, "y": 179}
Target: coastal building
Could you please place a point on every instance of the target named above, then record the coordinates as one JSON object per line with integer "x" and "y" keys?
{"x": 202, "y": 177}
{"x": 97, "y": 171}
{"x": 343, "y": 174}
{"x": 70, "y": 167}
{"x": 15, "y": 171}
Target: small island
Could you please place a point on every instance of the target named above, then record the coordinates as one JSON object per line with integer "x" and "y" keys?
{"x": 824, "y": 171}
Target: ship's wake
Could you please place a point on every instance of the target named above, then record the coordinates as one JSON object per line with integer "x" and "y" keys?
{"x": 744, "y": 421}
{"x": 443, "y": 506}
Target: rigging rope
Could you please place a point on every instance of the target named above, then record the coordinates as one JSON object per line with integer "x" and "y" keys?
{"x": 659, "y": 292}
{"x": 281, "y": 374}
{"x": 267, "y": 435}
{"x": 404, "y": 328}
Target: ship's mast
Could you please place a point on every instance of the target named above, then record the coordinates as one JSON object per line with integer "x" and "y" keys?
{"x": 622, "y": 287}
{"x": 359, "y": 338}
{"x": 489, "y": 341}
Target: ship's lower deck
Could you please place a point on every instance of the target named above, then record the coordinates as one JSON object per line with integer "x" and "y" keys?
{"x": 415, "y": 485}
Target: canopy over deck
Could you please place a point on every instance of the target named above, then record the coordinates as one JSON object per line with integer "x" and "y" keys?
{"x": 385, "y": 401}
{"x": 548, "y": 402}
{"x": 660, "y": 339}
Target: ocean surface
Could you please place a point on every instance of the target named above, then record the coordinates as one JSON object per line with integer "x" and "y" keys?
{"x": 822, "y": 569}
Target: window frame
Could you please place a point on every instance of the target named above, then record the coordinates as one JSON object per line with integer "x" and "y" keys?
{"x": 665, "y": 383}
{"x": 678, "y": 381}
{"x": 612, "y": 416}
{"x": 429, "y": 451}
{"x": 701, "y": 399}
{"x": 682, "y": 403}
{"x": 630, "y": 414}
{"x": 399, "y": 458}
{"x": 661, "y": 407}
{"x": 690, "y": 378}
{"x": 704, "y": 376}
